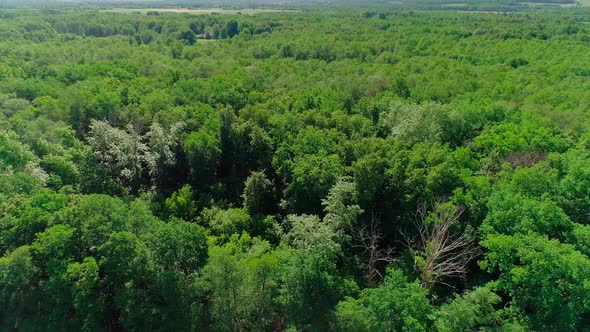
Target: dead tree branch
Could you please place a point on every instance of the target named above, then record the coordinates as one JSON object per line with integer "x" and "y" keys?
{"x": 370, "y": 239}
{"x": 440, "y": 250}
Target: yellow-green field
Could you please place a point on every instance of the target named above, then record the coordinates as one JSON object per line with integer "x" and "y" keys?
{"x": 204, "y": 11}
{"x": 532, "y": 4}
{"x": 567, "y": 5}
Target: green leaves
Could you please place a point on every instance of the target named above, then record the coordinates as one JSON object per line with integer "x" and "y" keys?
{"x": 257, "y": 196}
{"x": 225, "y": 223}
{"x": 18, "y": 276}
{"x": 308, "y": 233}
{"x": 181, "y": 204}
{"x": 341, "y": 206}
{"x": 473, "y": 311}
{"x": 415, "y": 123}
{"x": 203, "y": 152}
{"x": 511, "y": 213}
{"x": 178, "y": 172}
{"x": 547, "y": 280}
{"x": 311, "y": 179}
{"x": 179, "y": 245}
{"x": 84, "y": 278}
{"x": 396, "y": 305}
{"x": 19, "y": 167}
{"x": 520, "y": 135}
{"x": 243, "y": 289}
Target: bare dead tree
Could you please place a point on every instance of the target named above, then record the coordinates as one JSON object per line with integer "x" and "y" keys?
{"x": 439, "y": 249}
{"x": 369, "y": 239}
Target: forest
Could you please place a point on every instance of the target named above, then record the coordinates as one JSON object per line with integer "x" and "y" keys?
{"x": 317, "y": 170}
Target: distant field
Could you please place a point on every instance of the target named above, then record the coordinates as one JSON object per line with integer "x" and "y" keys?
{"x": 584, "y": 3}
{"x": 528, "y": 3}
{"x": 204, "y": 11}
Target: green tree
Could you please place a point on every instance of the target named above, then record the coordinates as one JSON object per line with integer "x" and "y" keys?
{"x": 511, "y": 213}
{"x": 181, "y": 204}
{"x": 32, "y": 216}
{"x": 257, "y": 196}
{"x": 203, "y": 151}
{"x": 225, "y": 223}
{"x": 311, "y": 288}
{"x": 243, "y": 290}
{"x": 83, "y": 281}
{"x": 415, "y": 123}
{"x": 128, "y": 270}
{"x": 179, "y": 245}
{"x": 396, "y": 305}
{"x": 308, "y": 233}
{"x": 545, "y": 279}
{"x": 188, "y": 36}
{"x": 473, "y": 311}
{"x": 18, "y": 277}
{"x": 120, "y": 154}
{"x": 341, "y": 206}
{"x": 232, "y": 28}
{"x": 311, "y": 179}
{"x": 162, "y": 148}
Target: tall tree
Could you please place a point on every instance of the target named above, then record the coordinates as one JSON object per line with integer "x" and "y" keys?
{"x": 441, "y": 251}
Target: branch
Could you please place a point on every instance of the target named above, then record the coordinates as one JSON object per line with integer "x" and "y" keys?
{"x": 446, "y": 253}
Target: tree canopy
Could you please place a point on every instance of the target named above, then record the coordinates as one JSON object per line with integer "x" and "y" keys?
{"x": 325, "y": 169}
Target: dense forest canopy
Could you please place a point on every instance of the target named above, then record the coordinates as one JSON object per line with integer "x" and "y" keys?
{"x": 324, "y": 169}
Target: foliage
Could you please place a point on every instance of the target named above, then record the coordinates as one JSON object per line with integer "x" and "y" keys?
{"x": 226, "y": 171}
{"x": 472, "y": 311}
{"x": 537, "y": 272}
{"x": 396, "y": 305}
{"x": 257, "y": 194}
